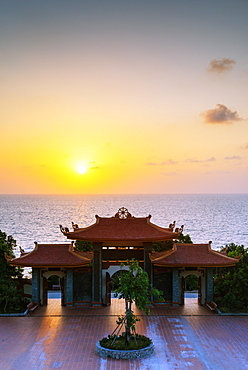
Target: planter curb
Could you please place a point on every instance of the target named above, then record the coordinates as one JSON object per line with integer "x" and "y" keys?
{"x": 124, "y": 354}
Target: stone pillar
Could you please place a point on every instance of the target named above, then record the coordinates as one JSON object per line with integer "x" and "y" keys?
{"x": 175, "y": 287}
{"x": 36, "y": 285}
{"x": 209, "y": 285}
{"x": 148, "y": 267}
{"x": 97, "y": 275}
{"x": 69, "y": 287}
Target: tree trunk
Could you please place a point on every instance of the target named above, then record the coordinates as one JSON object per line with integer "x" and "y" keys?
{"x": 6, "y": 303}
{"x": 127, "y": 326}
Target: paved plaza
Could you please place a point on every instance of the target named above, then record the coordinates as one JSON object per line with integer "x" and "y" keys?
{"x": 189, "y": 337}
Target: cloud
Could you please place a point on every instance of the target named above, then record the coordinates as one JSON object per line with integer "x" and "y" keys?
{"x": 221, "y": 114}
{"x": 95, "y": 168}
{"x": 221, "y": 65}
{"x": 233, "y": 157}
{"x": 244, "y": 147}
{"x": 193, "y": 160}
{"x": 168, "y": 162}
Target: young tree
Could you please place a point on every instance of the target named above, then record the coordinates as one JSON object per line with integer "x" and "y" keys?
{"x": 134, "y": 286}
{"x": 231, "y": 283}
{"x": 8, "y": 293}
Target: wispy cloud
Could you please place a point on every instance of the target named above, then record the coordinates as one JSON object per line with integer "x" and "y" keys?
{"x": 95, "y": 168}
{"x": 245, "y": 146}
{"x": 233, "y": 157}
{"x": 165, "y": 163}
{"x": 193, "y": 160}
{"x": 221, "y": 65}
{"x": 221, "y": 114}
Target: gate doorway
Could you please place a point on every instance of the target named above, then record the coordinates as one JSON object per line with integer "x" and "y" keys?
{"x": 191, "y": 290}
{"x": 53, "y": 288}
{"x": 111, "y": 285}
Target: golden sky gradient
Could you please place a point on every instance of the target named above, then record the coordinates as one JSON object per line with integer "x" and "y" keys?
{"x": 151, "y": 97}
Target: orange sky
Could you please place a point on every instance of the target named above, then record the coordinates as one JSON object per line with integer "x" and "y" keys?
{"x": 151, "y": 97}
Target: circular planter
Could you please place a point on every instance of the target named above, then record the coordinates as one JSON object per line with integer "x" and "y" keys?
{"x": 124, "y": 354}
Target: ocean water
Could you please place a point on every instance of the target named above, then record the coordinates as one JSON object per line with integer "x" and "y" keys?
{"x": 221, "y": 218}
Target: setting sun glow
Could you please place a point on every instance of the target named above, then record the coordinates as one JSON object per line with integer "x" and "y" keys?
{"x": 81, "y": 169}
{"x": 118, "y": 97}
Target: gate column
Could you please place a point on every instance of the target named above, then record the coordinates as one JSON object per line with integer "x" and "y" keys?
{"x": 69, "y": 287}
{"x": 175, "y": 287}
{"x": 36, "y": 285}
{"x": 97, "y": 275}
{"x": 209, "y": 285}
{"x": 148, "y": 264}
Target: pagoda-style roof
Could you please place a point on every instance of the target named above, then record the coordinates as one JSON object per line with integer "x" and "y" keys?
{"x": 53, "y": 255}
{"x": 191, "y": 255}
{"x": 122, "y": 227}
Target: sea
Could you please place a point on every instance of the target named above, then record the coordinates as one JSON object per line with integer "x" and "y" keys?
{"x": 221, "y": 218}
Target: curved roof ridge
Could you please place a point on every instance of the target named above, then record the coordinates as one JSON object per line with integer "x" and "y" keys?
{"x": 121, "y": 229}
{"x": 25, "y": 254}
{"x": 221, "y": 254}
{"x": 157, "y": 256}
{"x": 161, "y": 228}
{"x": 192, "y": 255}
{"x": 60, "y": 254}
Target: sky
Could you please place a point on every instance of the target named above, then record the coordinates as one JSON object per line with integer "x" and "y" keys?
{"x": 145, "y": 96}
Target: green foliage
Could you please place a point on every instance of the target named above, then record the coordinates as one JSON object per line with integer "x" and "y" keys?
{"x": 191, "y": 282}
{"x": 231, "y": 283}
{"x": 162, "y": 246}
{"x": 53, "y": 280}
{"x": 167, "y": 245}
{"x": 119, "y": 343}
{"x": 9, "y": 297}
{"x": 131, "y": 321}
{"x": 83, "y": 246}
{"x": 184, "y": 239}
{"x": 134, "y": 286}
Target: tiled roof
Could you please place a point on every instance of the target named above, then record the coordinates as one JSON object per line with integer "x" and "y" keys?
{"x": 62, "y": 255}
{"x": 117, "y": 229}
{"x": 200, "y": 255}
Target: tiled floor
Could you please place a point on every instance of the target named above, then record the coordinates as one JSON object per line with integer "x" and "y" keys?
{"x": 64, "y": 338}
{"x": 117, "y": 308}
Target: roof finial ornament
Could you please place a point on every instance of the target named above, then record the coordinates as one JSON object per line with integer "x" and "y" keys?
{"x": 123, "y": 213}
{"x": 74, "y": 226}
{"x": 171, "y": 226}
{"x": 64, "y": 230}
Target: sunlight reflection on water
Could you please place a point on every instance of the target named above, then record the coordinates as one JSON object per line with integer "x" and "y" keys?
{"x": 221, "y": 218}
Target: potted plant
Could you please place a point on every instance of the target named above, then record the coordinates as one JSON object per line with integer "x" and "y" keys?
{"x": 134, "y": 287}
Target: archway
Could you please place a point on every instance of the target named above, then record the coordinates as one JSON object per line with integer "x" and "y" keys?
{"x": 191, "y": 288}
{"x": 114, "y": 278}
{"x": 53, "y": 287}
{"x": 116, "y": 300}
{"x": 109, "y": 282}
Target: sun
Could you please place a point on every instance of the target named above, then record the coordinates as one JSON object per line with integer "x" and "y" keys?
{"x": 81, "y": 169}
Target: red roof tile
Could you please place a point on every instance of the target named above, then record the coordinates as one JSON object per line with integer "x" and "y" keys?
{"x": 121, "y": 229}
{"x": 53, "y": 255}
{"x": 200, "y": 255}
